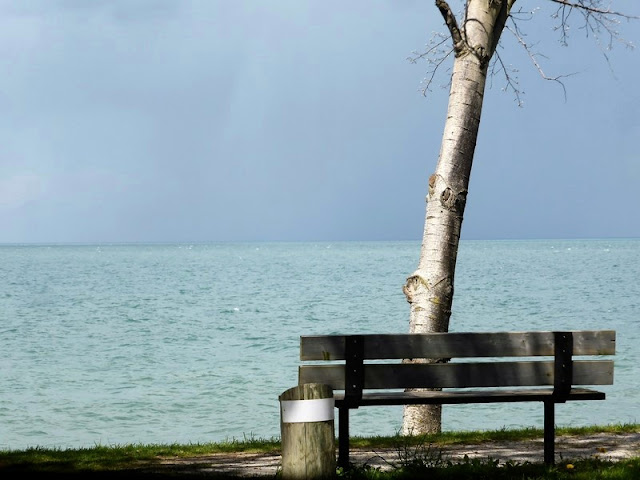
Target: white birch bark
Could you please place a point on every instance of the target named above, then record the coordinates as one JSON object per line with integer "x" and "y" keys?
{"x": 429, "y": 290}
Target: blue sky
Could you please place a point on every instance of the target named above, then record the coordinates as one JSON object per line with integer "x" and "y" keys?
{"x": 241, "y": 120}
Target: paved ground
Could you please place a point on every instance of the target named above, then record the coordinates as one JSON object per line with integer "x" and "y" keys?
{"x": 605, "y": 446}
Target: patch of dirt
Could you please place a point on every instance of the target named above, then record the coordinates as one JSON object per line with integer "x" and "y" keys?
{"x": 251, "y": 465}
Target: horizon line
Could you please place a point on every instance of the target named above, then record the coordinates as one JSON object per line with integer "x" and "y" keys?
{"x": 210, "y": 242}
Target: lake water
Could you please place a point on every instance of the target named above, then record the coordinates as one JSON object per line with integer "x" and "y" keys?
{"x": 163, "y": 343}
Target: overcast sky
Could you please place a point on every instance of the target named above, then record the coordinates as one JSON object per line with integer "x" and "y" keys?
{"x": 238, "y": 120}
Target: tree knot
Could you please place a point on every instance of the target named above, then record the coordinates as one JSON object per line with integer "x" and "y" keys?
{"x": 414, "y": 283}
{"x": 482, "y": 54}
{"x": 452, "y": 201}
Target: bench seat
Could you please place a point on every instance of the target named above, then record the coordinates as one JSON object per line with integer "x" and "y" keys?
{"x": 453, "y": 397}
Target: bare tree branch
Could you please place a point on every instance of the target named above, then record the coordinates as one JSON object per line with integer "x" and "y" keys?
{"x": 594, "y": 17}
{"x": 505, "y": 10}
{"x": 435, "y": 55}
{"x": 429, "y": 81}
{"x": 591, "y": 6}
{"x": 597, "y": 21}
{"x": 452, "y": 25}
{"x": 534, "y": 59}
{"x": 524, "y": 15}
{"x": 433, "y": 47}
{"x": 511, "y": 81}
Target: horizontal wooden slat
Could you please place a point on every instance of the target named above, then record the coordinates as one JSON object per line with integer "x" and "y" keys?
{"x": 457, "y": 345}
{"x": 459, "y": 375}
{"x": 469, "y": 396}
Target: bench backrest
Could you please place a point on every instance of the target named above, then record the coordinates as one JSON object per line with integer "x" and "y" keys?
{"x": 358, "y": 362}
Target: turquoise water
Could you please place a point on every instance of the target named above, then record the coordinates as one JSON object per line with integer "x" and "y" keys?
{"x": 115, "y": 344}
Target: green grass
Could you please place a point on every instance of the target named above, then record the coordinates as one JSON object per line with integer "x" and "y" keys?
{"x": 592, "y": 469}
{"x": 418, "y": 461}
{"x": 121, "y": 457}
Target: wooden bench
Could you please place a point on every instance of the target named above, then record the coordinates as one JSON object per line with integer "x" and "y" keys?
{"x": 372, "y": 370}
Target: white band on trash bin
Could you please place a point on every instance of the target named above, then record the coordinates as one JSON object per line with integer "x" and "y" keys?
{"x": 299, "y": 411}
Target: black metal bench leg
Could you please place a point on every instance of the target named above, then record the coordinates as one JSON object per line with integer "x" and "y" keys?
{"x": 549, "y": 433}
{"x": 343, "y": 437}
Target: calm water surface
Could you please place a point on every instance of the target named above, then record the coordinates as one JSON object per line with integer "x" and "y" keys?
{"x": 119, "y": 344}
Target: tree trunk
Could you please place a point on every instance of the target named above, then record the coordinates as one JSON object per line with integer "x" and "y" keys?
{"x": 429, "y": 290}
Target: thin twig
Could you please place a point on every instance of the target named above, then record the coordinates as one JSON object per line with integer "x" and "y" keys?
{"x": 533, "y": 57}
{"x": 512, "y": 83}
{"x": 588, "y": 5}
